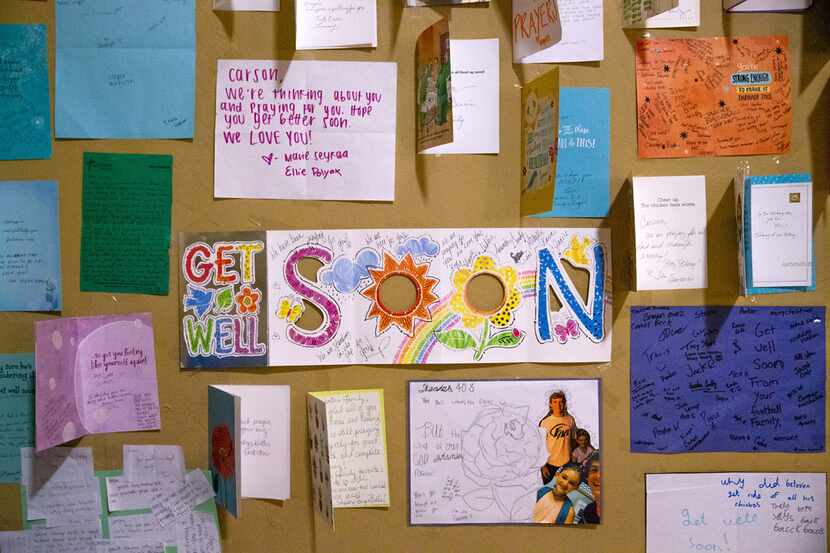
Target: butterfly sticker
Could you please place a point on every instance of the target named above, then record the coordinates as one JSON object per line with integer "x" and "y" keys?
{"x": 576, "y": 253}
{"x": 289, "y": 310}
{"x": 563, "y": 332}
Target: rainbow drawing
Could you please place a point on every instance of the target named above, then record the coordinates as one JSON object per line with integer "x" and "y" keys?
{"x": 416, "y": 350}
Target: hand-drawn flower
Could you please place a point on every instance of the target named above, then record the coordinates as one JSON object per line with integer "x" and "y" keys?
{"x": 247, "y": 300}
{"x": 501, "y": 453}
{"x": 222, "y": 451}
{"x": 472, "y": 317}
{"x": 577, "y": 252}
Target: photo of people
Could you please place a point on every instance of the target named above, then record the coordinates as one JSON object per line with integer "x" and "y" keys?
{"x": 570, "y": 478}
{"x": 434, "y": 91}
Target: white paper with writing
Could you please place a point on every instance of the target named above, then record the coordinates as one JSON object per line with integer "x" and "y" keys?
{"x": 125, "y": 495}
{"x": 325, "y": 24}
{"x": 474, "y": 65}
{"x": 16, "y": 542}
{"x": 582, "y": 35}
{"x": 197, "y": 533}
{"x": 78, "y": 538}
{"x": 321, "y": 130}
{"x": 138, "y": 527}
{"x": 686, "y": 14}
{"x": 145, "y": 546}
{"x": 357, "y": 447}
{"x": 266, "y": 440}
{"x": 60, "y": 485}
{"x": 171, "y": 503}
{"x": 670, "y": 232}
{"x": 247, "y": 5}
{"x": 782, "y": 235}
{"x": 736, "y": 512}
{"x": 766, "y": 5}
{"x": 153, "y": 463}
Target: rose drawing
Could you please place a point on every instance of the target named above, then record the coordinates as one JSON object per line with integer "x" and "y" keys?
{"x": 501, "y": 452}
{"x": 222, "y": 451}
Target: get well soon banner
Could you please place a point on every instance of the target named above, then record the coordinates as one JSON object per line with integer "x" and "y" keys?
{"x": 395, "y": 297}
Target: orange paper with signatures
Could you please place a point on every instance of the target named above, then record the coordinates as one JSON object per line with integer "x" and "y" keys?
{"x": 713, "y": 97}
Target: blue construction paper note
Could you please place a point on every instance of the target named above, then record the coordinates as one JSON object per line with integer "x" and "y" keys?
{"x": 727, "y": 379}
{"x": 224, "y": 429}
{"x": 30, "y": 253}
{"x": 582, "y": 173}
{"x": 125, "y": 69}
{"x": 25, "y": 120}
{"x": 17, "y": 411}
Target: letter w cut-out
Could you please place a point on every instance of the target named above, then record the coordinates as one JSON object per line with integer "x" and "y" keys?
{"x": 591, "y": 317}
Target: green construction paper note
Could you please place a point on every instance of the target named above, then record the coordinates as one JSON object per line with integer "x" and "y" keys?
{"x": 126, "y": 223}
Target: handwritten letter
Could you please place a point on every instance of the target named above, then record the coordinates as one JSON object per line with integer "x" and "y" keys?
{"x": 30, "y": 267}
{"x": 670, "y": 232}
{"x": 751, "y": 512}
{"x": 324, "y": 24}
{"x": 17, "y": 409}
{"x": 320, "y": 130}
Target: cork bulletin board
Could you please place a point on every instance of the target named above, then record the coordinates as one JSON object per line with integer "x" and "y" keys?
{"x": 438, "y": 192}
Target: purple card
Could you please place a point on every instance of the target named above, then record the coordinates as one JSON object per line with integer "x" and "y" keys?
{"x": 94, "y": 375}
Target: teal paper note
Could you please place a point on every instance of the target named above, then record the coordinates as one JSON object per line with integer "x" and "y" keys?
{"x": 25, "y": 122}
{"x": 17, "y": 406}
{"x": 125, "y": 69}
{"x": 30, "y": 253}
{"x": 125, "y": 239}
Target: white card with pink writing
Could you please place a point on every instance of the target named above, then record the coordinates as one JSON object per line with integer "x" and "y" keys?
{"x": 305, "y": 130}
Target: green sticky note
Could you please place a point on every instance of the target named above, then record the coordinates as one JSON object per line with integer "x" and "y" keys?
{"x": 126, "y": 223}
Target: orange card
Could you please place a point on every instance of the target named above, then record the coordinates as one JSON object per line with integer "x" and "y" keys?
{"x": 713, "y": 97}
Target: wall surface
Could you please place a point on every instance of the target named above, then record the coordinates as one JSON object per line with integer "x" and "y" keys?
{"x": 447, "y": 191}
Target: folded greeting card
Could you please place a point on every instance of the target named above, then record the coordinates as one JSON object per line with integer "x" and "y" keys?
{"x": 322, "y": 25}
{"x": 713, "y": 96}
{"x": 582, "y": 31}
{"x": 343, "y": 297}
{"x": 247, "y": 5}
{"x": 741, "y": 512}
{"x": 125, "y": 70}
{"x": 670, "y": 232}
{"x": 30, "y": 259}
{"x": 583, "y": 154}
{"x": 474, "y": 65}
{"x": 775, "y": 233}
{"x": 25, "y": 118}
{"x": 434, "y": 87}
{"x": 727, "y": 379}
{"x": 347, "y": 437}
{"x": 686, "y": 13}
{"x": 94, "y": 375}
{"x": 540, "y": 126}
{"x": 536, "y": 26}
{"x": 249, "y": 443}
{"x": 766, "y": 5}
{"x": 504, "y": 452}
{"x": 637, "y": 12}
{"x": 306, "y": 130}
